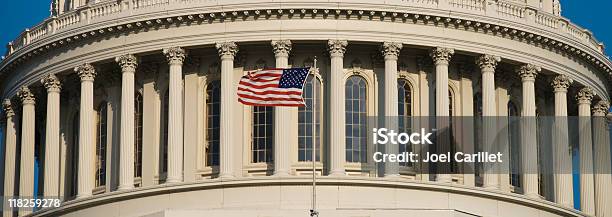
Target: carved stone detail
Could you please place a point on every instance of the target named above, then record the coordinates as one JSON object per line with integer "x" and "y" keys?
{"x": 528, "y": 72}
{"x": 86, "y": 71}
{"x": 487, "y": 62}
{"x": 391, "y": 49}
{"x": 52, "y": 83}
{"x": 281, "y": 47}
{"x": 601, "y": 108}
{"x": 8, "y": 108}
{"x": 127, "y": 61}
{"x": 561, "y": 83}
{"x": 441, "y": 55}
{"x": 175, "y": 55}
{"x": 26, "y": 96}
{"x": 585, "y": 95}
{"x": 337, "y": 47}
{"x": 227, "y": 49}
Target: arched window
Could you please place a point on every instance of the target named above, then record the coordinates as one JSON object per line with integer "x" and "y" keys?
{"x": 138, "y": 135}
{"x": 263, "y": 130}
{"x": 312, "y": 97}
{"x": 355, "y": 104}
{"x": 101, "y": 145}
{"x": 164, "y": 149}
{"x": 404, "y": 108}
{"x": 514, "y": 144}
{"x": 213, "y": 116}
{"x": 453, "y": 145}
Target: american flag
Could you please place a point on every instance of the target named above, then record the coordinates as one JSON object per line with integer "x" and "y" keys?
{"x": 273, "y": 87}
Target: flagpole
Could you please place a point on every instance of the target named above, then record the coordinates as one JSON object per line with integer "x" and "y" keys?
{"x": 313, "y": 211}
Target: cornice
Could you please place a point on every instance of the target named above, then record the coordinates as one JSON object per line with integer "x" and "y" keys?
{"x": 470, "y": 22}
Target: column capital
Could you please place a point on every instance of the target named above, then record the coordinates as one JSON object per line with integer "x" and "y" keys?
{"x": 487, "y": 61}
{"x": 441, "y": 55}
{"x": 52, "y": 83}
{"x": 601, "y": 108}
{"x": 281, "y": 47}
{"x": 175, "y": 55}
{"x": 86, "y": 71}
{"x": 8, "y": 108}
{"x": 391, "y": 49}
{"x": 336, "y": 47}
{"x": 128, "y": 62}
{"x": 561, "y": 83}
{"x": 26, "y": 96}
{"x": 528, "y": 72}
{"x": 585, "y": 95}
{"x": 227, "y": 49}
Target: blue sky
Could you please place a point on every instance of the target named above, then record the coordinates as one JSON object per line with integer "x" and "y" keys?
{"x": 15, "y": 16}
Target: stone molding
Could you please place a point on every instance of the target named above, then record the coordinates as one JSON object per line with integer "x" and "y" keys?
{"x": 128, "y": 62}
{"x": 579, "y": 49}
{"x": 52, "y": 83}
{"x": 528, "y": 72}
{"x": 391, "y": 50}
{"x": 487, "y": 62}
{"x": 281, "y": 47}
{"x": 441, "y": 55}
{"x": 8, "y": 108}
{"x": 601, "y": 108}
{"x": 175, "y": 55}
{"x": 227, "y": 49}
{"x": 336, "y": 47}
{"x": 86, "y": 71}
{"x": 26, "y": 96}
{"x": 585, "y": 95}
{"x": 561, "y": 83}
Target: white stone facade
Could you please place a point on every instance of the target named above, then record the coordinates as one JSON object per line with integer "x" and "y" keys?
{"x": 135, "y": 104}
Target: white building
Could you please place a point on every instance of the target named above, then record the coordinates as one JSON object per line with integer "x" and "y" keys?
{"x": 131, "y": 106}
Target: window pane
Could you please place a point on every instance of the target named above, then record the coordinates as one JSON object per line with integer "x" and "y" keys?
{"x": 312, "y": 88}
{"x": 355, "y": 122}
{"x": 262, "y": 134}
{"x": 213, "y": 115}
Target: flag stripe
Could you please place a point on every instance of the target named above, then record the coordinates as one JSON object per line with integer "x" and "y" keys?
{"x": 273, "y": 87}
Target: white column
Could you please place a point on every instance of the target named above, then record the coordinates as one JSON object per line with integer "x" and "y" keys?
{"x": 128, "y": 65}
{"x": 487, "y": 64}
{"x": 282, "y": 116}
{"x": 564, "y": 190}
{"x": 529, "y": 155}
{"x": 336, "y": 49}
{"x": 9, "y": 153}
{"x": 227, "y": 51}
{"x": 601, "y": 149}
{"x": 587, "y": 194}
{"x": 441, "y": 58}
{"x": 391, "y": 52}
{"x": 52, "y": 138}
{"x": 175, "y": 56}
{"x": 26, "y": 170}
{"x": 86, "y": 131}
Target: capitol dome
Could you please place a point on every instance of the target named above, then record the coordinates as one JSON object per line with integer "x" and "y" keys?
{"x": 130, "y": 108}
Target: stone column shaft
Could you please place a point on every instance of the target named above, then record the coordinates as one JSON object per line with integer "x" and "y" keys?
{"x": 282, "y": 116}
{"x": 587, "y": 188}
{"x": 601, "y": 149}
{"x": 128, "y": 65}
{"x": 176, "y": 56}
{"x": 441, "y": 58}
{"x": 227, "y": 51}
{"x": 28, "y": 127}
{"x": 564, "y": 191}
{"x": 529, "y": 153}
{"x": 86, "y": 131}
{"x": 391, "y": 52}
{"x": 52, "y": 138}
{"x": 10, "y": 152}
{"x": 487, "y": 65}
{"x": 337, "y": 48}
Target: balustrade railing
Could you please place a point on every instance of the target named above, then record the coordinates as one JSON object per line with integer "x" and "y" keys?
{"x": 514, "y": 10}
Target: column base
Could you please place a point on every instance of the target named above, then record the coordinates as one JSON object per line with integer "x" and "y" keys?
{"x": 281, "y": 173}
{"x": 125, "y": 187}
{"x": 227, "y": 176}
{"x": 392, "y": 176}
{"x": 337, "y": 173}
{"x": 533, "y": 196}
{"x": 173, "y": 180}
{"x": 444, "y": 179}
{"x": 82, "y": 196}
